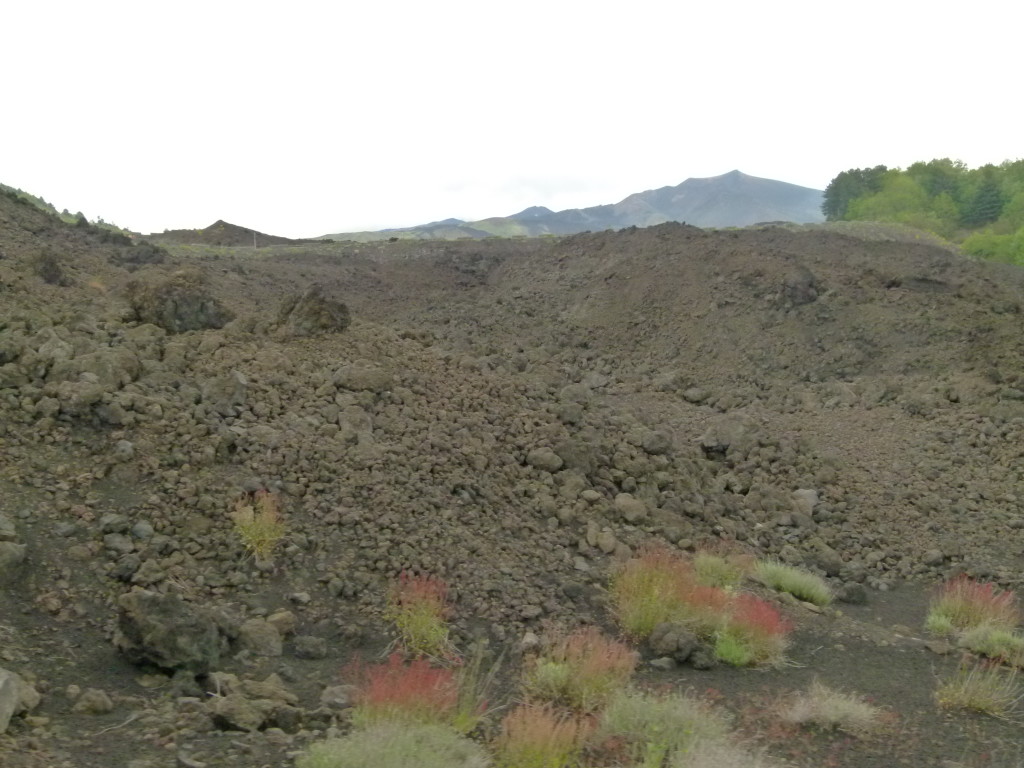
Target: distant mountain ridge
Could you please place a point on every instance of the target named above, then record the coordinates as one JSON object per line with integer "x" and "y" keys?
{"x": 733, "y": 199}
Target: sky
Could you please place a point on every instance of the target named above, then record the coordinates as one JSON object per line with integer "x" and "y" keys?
{"x": 306, "y": 118}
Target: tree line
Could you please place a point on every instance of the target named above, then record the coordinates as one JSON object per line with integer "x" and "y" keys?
{"x": 982, "y": 209}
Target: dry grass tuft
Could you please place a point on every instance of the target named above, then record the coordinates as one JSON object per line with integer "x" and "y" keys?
{"x": 799, "y": 583}
{"x": 827, "y": 708}
{"x": 396, "y": 745}
{"x": 649, "y": 728}
{"x": 982, "y": 687}
{"x": 259, "y": 523}
{"x": 995, "y": 643}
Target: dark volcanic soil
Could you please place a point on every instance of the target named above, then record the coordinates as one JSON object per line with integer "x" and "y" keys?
{"x": 480, "y": 419}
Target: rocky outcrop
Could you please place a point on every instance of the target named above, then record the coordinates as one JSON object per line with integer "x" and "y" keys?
{"x": 312, "y": 313}
{"x": 177, "y": 304}
{"x": 166, "y": 631}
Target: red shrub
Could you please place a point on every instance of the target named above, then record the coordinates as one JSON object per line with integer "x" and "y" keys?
{"x": 756, "y": 617}
{"x": 395, "y": 690}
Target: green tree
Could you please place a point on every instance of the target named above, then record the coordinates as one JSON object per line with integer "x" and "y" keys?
{"x": 939, "y": 177}
{"x": 847, "y": 187}
{"x": 986, "y": 204}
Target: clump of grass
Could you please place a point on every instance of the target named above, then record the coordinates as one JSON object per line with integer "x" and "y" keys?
{"x": 476, "y": 677}
{"x": 996, "y": 643}
{"x": 652, "y": 727}
{"x": 396, "y": 691}
{"x": 719, "y": 754}
{"x": 418, "y": 605}
{"x": 259, "y": 523}
{"x": 536, "y": 736}
{"x": 581, "y": 669}
{"x": 754, "y": 633}
{"x": 828, "y": 708}
{"x": 703, "y": 609}
{"x": 648, "y": 590}
{"x": 964, "y": 604}
{"x": 982, "y": 687}
{"x": 797, "y": 582}
{"x": 396, "y": 745}
{"x": 715, "y": 570}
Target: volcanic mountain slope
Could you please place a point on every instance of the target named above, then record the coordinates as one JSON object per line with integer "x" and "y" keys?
{"x": 513, "y": 416}
{"x": 733, "y": 199}
{"x": 221, "y": 233}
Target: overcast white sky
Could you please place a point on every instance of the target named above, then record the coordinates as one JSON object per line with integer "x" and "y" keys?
{"x": 302, "y": 118}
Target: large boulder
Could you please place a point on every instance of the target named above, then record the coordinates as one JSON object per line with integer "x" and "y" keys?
{"x": 312, "y": 313}
{"x": 12, "y": 555}
{"x": 177, "y": 304}
{"x": 16, "y": 696}
{"x": 166, "y": 631}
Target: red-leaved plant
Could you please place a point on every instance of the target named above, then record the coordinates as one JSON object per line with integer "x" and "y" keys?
{"x": 415, "y": 692}
{"x": 755, "y": 632}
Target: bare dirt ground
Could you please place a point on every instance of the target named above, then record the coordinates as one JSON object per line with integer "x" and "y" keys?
{"x": 477, "y": 419}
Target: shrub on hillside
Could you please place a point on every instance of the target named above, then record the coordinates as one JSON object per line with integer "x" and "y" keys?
{"x": 581, "y": 670}
{"x": 650, "y": 589}
{"x": 418, "y": 605}
{"x": 982, "y": 687}
{"x": 396, "y": 691}
{"x": 647, "y": 728}
{"x": 754, "y": 633}
{"x": 963, "y": 604}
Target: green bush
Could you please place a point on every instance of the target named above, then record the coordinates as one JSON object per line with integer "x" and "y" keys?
{"x": 653, "y": 727}
{"x": 717, "y": 571}
{"x": 580, "y": 670}
{"x": 394, "y": 745}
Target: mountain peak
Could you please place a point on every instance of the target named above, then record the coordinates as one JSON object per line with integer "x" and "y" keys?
{"x": 734, "y": 199}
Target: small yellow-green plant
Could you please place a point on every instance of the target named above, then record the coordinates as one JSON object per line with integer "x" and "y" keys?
{"x": 982, "y": 687}
{"x": 259, "y": 523}
{"x": 996, "y": 643}
{"x": 649, "y": 728}
{"x": 418, "y": 605}
{"x": 537, "y": 736}
{"x": 828, "y": 708}
{"x": 648, "y": 589}
{"x": 963, "y": 604}
{"x": 660, "y": 586}
{"x": 797, "y": 582}
{"x": 581, "y": 670}
{"x": 722, "y": 571}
